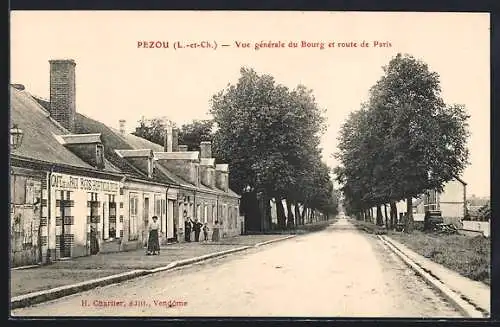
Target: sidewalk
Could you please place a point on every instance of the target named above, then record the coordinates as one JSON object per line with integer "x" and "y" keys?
{"x": 476, "y": 292}
{"x": 61, "y": 273}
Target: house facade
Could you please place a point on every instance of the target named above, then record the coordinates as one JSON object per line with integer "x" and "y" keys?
{"x": 79, "y": 187}
{"x": 451, "y": 202}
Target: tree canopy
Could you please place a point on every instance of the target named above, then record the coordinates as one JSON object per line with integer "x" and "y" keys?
{"x": 403, "y": 141}
{"x": 270, "y": 137}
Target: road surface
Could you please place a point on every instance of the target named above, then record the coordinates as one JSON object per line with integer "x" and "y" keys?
{"x": 338, "y": 272}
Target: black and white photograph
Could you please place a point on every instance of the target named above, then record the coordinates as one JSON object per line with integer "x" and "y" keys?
{"x": 249, "y": 164}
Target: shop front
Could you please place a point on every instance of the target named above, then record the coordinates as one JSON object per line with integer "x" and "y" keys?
{"x": 83, "y": 214}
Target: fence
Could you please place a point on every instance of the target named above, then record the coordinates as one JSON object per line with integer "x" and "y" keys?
{"x": 477, "y": 226}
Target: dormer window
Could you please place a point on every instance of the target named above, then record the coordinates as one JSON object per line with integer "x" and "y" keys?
{"x": 100, "y": 155}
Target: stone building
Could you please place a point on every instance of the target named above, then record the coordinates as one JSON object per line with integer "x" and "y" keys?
{"x": 79, "y": 187}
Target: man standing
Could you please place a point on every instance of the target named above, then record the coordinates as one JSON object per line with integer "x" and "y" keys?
{"x": 197, "y": 229}
{"x": 187, "y": 227}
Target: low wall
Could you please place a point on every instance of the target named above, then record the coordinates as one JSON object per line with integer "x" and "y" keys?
{"x": 477, "y": 226}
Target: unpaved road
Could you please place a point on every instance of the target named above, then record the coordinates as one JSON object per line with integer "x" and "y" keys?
{"x": 339, "y": 272}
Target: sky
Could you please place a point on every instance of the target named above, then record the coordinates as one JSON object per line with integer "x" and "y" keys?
{"x": 119, "y": 78}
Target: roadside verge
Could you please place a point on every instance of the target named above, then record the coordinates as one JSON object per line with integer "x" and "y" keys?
{"x": 435, "y": 277}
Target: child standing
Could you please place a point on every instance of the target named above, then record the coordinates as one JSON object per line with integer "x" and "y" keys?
{"x": 205, "y": 232}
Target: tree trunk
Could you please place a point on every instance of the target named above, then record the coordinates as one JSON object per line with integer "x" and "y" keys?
{"x": 268, "y": 217}
{"x": 409, "y": 215}
{"x": 290, "y": 220}
{"x": 387, "y": 222}
{"x": 394, "y": 214}
{"x": 379, "y": 220}
{"x": 280, "y": 212}
{"x": 303, "y": 216}
{"x": 297, "y": 214}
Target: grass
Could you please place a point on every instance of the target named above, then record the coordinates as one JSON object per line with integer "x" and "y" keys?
{"x": 469, "y": 256}
{"x": 315, "y": 227}
{"x": 369, "y": 227}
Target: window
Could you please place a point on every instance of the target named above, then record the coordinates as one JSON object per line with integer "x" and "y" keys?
{"x": 19, "y": 189}
{"x": 133, "y": 213}
{"x": 163, "y": 215}
{"x": 99, "y": 155}
{"x": 198, "y": 212}
{"x": 145, "y": 211}
{"x": 158, "y": 210}
{"x": 94, "y": 205}
{"x": 112, "y": 216}
{"x": 158, "y": 206}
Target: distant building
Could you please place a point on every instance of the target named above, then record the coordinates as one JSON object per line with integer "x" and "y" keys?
{"x": 451, "y": 202}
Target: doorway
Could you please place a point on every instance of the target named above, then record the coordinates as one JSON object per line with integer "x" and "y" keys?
{"x": 65, "y": 242}
{"x": 145, "y": 216}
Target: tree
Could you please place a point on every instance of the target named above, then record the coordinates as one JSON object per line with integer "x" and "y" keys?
{"x": 152, "y": 130}
{"x": 403, "y": 141}
{"x": 427, "y": 138}
{"x": 193, "y": 133}
{"x": 268, "y": 134}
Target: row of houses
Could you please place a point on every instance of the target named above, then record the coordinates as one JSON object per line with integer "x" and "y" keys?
{"x": 79, "y": 187}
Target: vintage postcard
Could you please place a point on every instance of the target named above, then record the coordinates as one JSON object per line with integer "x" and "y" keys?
{"x": 249, "y": 164}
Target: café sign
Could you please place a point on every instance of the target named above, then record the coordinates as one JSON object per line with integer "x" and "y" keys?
{"x": 68, "y": 182}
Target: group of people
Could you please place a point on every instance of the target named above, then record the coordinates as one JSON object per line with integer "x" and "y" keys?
{"x": 195, "y": 226}
{"x": 190, "y": 226}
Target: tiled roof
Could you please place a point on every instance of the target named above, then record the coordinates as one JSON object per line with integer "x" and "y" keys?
{"x": 190, "y": 155}
{"x": 113, "y": 140}
{"x": 139, "y": 153}
{"x": 140, "y": 143}
{"x": 110, "y": 141}
{"x": 39, "y": 130}
{"x": 81, "y": 138}
{"x": 142, "y": 165}
{"x": 137, "y": 142}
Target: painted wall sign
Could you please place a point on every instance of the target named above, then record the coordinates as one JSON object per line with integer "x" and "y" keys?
{"x": 68, "y": 182}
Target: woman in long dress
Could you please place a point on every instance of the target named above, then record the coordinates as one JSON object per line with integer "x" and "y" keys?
{"x": 153, "y": 240}
{"x": 215, "y": 232}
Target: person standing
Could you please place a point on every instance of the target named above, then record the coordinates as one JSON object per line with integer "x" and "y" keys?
{"x": 153, "y": 240}
{"x": 197, "y": 229}
{"x": 215, "y": 232}
{"x": 205, "y": 232}
{"x": 187, "y": 227}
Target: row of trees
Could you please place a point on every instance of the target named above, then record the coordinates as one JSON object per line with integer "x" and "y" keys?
{"x": 270, "y": 137}
{"x": 403, "y": 141}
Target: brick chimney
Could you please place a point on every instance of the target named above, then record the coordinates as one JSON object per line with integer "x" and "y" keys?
{"x": 62, "y": 92}
{"x": 222, "y": 176}
{"x": 175, "y": 140}
{"x": 206, "y": 149}
{"x": 168, "y": 138}
{"x": 122, "y": 126}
